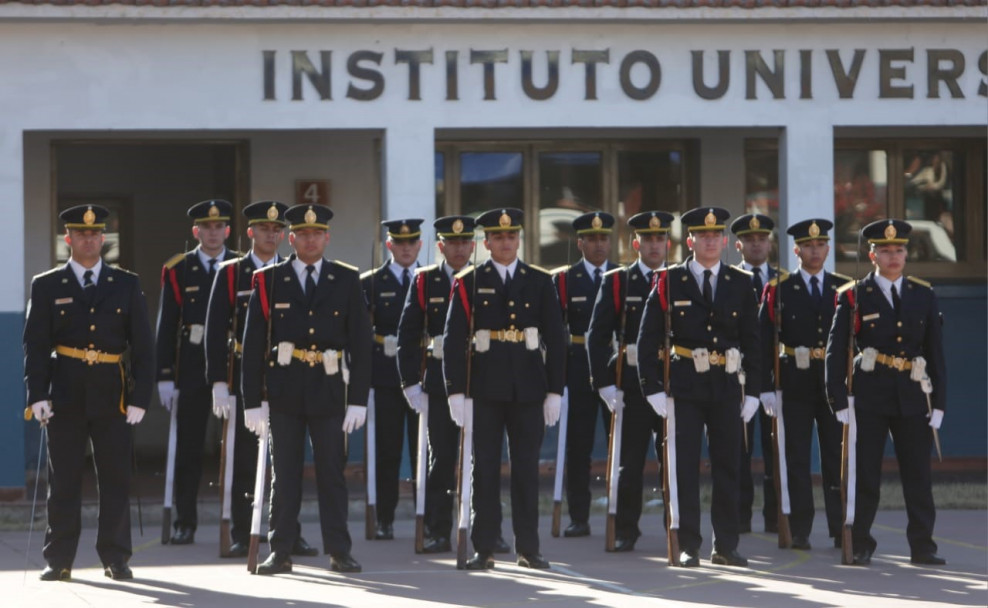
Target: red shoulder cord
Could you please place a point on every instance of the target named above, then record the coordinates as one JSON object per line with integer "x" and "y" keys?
{"x": 768, "y": 299}
{"x": 857, "y": 315}
{"x": 420, "y": 286}
{"x": 262, "y": 292}
{"x": 562, "y": 289}
{"x": 663, "y": 287}
{"x": 617, "y": 291}
{"x": 231, "y": 284}
{"x": 463, "y": 298}
{"x": 169, "y": 274}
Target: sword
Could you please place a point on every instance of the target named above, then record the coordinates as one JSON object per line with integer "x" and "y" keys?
{"x": 166, "y": 508}
{"x": 370, "y": 464}
{"x": 226, "y": 478}
{"x": 37, "y": 482}
{"x": 420, "y": 479}
{"x": 258, "y": 507}
{"x": 557, "y": 488}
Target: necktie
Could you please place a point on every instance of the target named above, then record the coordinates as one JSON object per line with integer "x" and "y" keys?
{"x": 815, "y": 291}
{"x": 896, "y": 302}
{"x": 406, "y": 277}
{"x": 708, "y": 292}
{"x": 649, "y": 277}
{"x": 310, "y": 282}
{"x": 507, "y": 280}
{"x": 212, "y": 265}
{"x": 596, "y": 279}
{"x": 757, "y": 280}
{"x": 87, "y": 279}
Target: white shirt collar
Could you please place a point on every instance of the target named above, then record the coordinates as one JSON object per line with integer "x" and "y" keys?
{"x": 397, "y": 269}
{"x": 642, "y": 268}
{"x": 762, "y": 269}
{"x": 886, "y": 286}
{"x": 591, "y": 268}
{"x": 299, "y": 267}
{"x": 450, "y": 272}
{"x": 696, "y": 268}
{"x": 78, "y": 270}
{"x": 807, "y": 276}
{"x": 205, "y": 258}
{"x": 501, "y": 269}
{"x": 258, "y": 264}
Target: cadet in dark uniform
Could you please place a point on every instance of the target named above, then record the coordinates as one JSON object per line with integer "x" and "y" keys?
{"x": 186, "y": 281}
{"x": 516, "y": 384}
{"x": 81, "y": 318}
{"x": 306, "y": 367}
{"x": 807, "y": 298}
{"x": 623, "y": 294}
{"x": 228, "y": 309}
{"x": 900, "y": 382}
{"x": 577, "y": 287}
{"x": 753, "y": 232}
{"x": 385, "y": 289}
{"x": 422, "y": 321}
{"x": 715, "y": 336}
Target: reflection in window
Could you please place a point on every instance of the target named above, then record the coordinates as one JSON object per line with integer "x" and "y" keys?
{"x": 930, "y": 192}
{"x": 761, "y": 193}
{"x": 860, "y": 197}
{"x": 570, "y": 184}
{"x": 490, "y": 179}
{"x": 648, "y": 181}
{"x": 440, "y": 175}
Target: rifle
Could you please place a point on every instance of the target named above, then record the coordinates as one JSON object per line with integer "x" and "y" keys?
{"x": 617, "y": 419}
{"x": 166, "y": 507}
{"x": 848, "y": 465}
{"x": 262, "y": 445}
{"x": 423, "y": 426}
{"x": 464, "y": 467}
{"x": 778, "y": 426}
{"x": 557, "y": 486}
{"x": 670, "y": 480}
{"x": 370, "y": 436}
{"x": 229, "y": 430}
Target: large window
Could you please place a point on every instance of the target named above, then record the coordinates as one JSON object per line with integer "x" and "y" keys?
{"x": 556, "y": 182}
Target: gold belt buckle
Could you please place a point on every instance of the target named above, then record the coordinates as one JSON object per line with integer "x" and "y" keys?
{"x": 310, "y": 357}
{"x": 898, "y": 363}
{"x": 511, "y": 335}
{"x": 818, "y": 353}
{"x": 714, "y": 358}
{"x": 90, "y": 355}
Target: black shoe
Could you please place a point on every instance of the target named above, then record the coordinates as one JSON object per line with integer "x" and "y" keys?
{"x": 118, "y": 571}
{"x": 744, "y": 527}
{"x": 771, "y": 527}
{"x": 928, "y": 559}
{"x": 575, "y": 530}
{"x": 862, "y": 557}
{"x": 689, "y": 559}
{"x": 183, "y": 536}
{"x": 439, "y": 544}
{"x": 480, "y": 561}
{"x": 533, "y": 560}
{"x": 303, "y": 548}
{"x": 500, "y": 546}
{"x": 800, "y": 542}
{"x": 276, "y": 563}
{"x": 384, "y": 532}
{"x": 343, "y": 562}
{"x": 238, "y": 549}
{"x": 623, "y": 545}
{"x": 51, "y": 573}
{"x": 728, "y": 558}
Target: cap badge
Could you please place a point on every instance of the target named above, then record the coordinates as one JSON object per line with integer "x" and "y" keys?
{"x": 404, "y": 229}
{"x": 596, "y": 223}
{"x": 814, "y": 230}
{"x": 310, "y": 216}
{"x": 457, "y": 226}
{"x": 711, "y": 219}
{"x": 273, "y": 212}
{"x": 754, "y": 224}
{"x": 505, "y": 220}
{"x": 214, "y": 211}
{"x": 89, "y": 218}
{"x": 654, "y": 223}
{"x": 890, "y": 231}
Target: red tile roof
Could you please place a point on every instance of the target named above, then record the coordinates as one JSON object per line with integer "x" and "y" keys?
{"x": 493, "y": 4}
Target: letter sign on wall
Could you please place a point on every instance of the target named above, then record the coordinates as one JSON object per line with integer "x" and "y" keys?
{"x": 312, "y": 191}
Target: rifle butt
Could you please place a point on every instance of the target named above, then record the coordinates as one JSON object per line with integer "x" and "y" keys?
{"x": 370, "y": 522}
{"x": 847, "y": 546}
{"x": 672, "y": 547}
{"x": 255, "y": 544}
{"x": 557, "y": 515}
{"x": 166, "y": 525}
{"x": 419, "y": 534}
{"x": 461, "y": 549}
{"x": 224, "y": 538}
{"x": 610, "y": 533}
{"x": 785, "y": 533}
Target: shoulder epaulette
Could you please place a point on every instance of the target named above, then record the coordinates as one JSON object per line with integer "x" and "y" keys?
{"x": 559, "y": 269}
{"x": 426, "y": 268}
{"x": 174, "y": 260}
{"x": 347, "y": 266}
{"x": 846, "y": 286}
{"x": 465, "y": 271}
{"x": 367, "y": 273}
{"x": 919, "y": 282}
{"x": 842, "y": 277}
{"x": 539, "y": 268}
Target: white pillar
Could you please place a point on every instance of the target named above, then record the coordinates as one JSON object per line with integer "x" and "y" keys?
{"x": 806, "y": 180}
{"x": 408, "y": 167}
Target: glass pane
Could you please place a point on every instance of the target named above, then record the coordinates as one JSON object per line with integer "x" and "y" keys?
{"x": 648, "y": 181}
{"x": 570, "y": 184}
{"x": 761, "y": 194}
{"x": 111, "y": 251}
{"x": 933, "y": 194}
{"x": 490, "y": 179}
{"x": 860, "y": 197}
{"x": 440, "y": 184}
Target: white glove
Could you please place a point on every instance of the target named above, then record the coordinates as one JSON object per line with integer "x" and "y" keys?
{"x": 843, "y": 416}
{"x": 551, "y": 408}
{"x": 355, "y": 417}
{"x": 936, "y": 419}
{"x": 768, "y": 403}
{"x": 221, "y": 400}
{"x": 749, "y": 408}
{"x": 134, "y": 414}
{"x": 417, "y": 400}
{"x": 456, "y": 408}
{"x": 42, "y": 411}
{"x": 256, "y": 419}
{"x": 612, "y": 397}
{"x": 167, "y": 394}
{"x": 659, "y": 403}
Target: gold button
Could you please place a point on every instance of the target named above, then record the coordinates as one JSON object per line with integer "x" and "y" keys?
{"x": 93, "y": 310}
{"x": 682, "y": 313}
{"x": 192, "y": 299}
{"x": 511, "y": 327}
{"x": 312, "y": 330}
{"x": 709, "y": 328}
{"x": 336, "y": 313}
{"x": 118, "y": 311}
{"x": 898, "y": 323}
{"x": 485, "y": 302}
{"x": 511, "y": 302}
{"x": 819, "y": 330}
{"x": 311, "y": 313}
{"x": 313, "y": 347}
{"x": 526, "y": 304}
{"x": 270, "y": 363}
{"x": 715, "y": 340}
{"x": 898, "y": 339}
{"x": 512, "y": 315}
{"x": 92, "y": 328}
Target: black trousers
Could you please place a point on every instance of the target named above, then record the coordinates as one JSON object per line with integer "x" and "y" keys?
{"x": 770, "y": 506}
{"x": 393, "y": 421}
{"x": 525, "y": 426}
{"x": 195, "y": 405}
{"x": 444, "y": 447}
{"x": 799, "y": 417}
{"x": 244, "y": 474}
{"x": 287, "y": 459}
{"x": 641, "y": 426}
{"x": 68, "y": 433}
{"x": 581, "y": 426}
{"x": 912, "y": 439}
{"x": 723, "y": 423}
